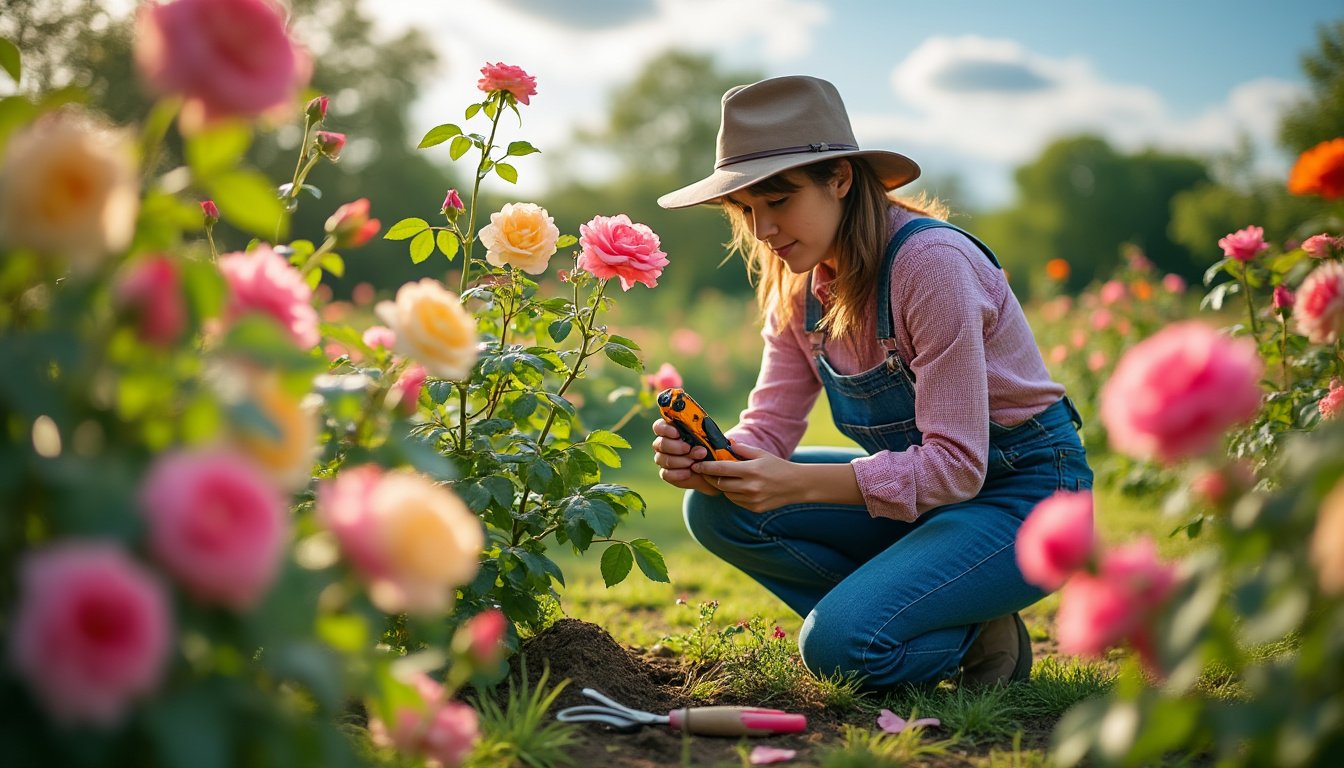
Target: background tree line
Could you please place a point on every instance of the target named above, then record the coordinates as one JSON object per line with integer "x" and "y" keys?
{"x": 1080, "y": 199}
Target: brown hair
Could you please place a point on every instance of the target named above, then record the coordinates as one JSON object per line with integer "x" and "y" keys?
{"x": 861, "y": 241}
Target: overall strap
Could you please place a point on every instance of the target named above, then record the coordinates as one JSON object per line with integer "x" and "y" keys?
{"x": 884, "y": 324}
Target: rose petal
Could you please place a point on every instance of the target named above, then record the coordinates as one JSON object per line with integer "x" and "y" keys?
{"x": 767, "y": 755}
{"x": 890, "y": 722}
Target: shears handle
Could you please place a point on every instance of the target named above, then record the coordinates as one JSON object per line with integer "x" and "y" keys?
{"x": 694, "y": 425}
{"x": 735, "y": 721}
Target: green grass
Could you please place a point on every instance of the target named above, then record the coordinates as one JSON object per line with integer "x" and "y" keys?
{"x": 989, "y": 722}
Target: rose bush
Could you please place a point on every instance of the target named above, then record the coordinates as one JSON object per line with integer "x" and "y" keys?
{"x": 231, "y": 513}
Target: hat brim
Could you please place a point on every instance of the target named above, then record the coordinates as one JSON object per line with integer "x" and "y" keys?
{"x": 894, "y": 169}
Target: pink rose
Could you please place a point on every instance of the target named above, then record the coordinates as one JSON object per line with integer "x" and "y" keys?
{"x": 1244, "y": 244}
{"x": 1327, "y": 542}
{"x": 227, "y": 58}
{"x": 443, "y": 731}
{"x": 485, "y": 630}
{"x": 1101, "y": 319}
{"x": 453, "y": 202}
{"x": 406, "y": 391}
{"x": 330, "y": 144}
{"x": 686, "y": 342}
{"x": 216, "y": 524}
{"x": 1112, "y": 291}
{"x": 1217, "y": 486}
{"x": 1173, "y": 283}
{"x": 316, "y": 111}
{"x": 506, "y": 77}
{"x": 613, "y": 246}
{"x": 380, "y": 337}
{"x": 211, "y": 212}
{"x": 666, "y": 376}
{"x": 1117, "y": 604}
{"x": 351, "y": 225}
{"x": 1283, "y": 299}
{"x": 262, "y": 281}
{"x": 1322, "y": 246}
{"x": 1319, "y": 310}
{"x": 1330, "y": 405}
{"x": 1096, "y": 360}
{"x": 91, "y": 631}
{"x": 1174, "y": 394}
{"x": 151, "y": 290}
{"x": 1056, "y": 539}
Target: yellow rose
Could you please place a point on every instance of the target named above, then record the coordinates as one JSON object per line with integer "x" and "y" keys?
{"x": 287, "y": 457}
{"x": 428, "y": 538}
{"x": 69, "y": 187}
{"x": 521, "y": 234}
{"x": 432, "y": 328}
{"x": 1327, "y": 542}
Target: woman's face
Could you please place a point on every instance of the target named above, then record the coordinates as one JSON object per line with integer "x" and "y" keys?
{"x": 799, "y": 226}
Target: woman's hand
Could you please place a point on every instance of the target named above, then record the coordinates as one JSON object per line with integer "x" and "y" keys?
{"x": 676, "y": 457}
{"x": 760, "y": 482}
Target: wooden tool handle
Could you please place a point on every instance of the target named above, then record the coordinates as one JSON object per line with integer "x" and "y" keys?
{"x": 735, "y": 721}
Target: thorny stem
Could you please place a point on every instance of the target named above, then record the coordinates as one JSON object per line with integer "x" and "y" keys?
{"x": 586, "y": 329}
{"x": 1250, "y": 306}
{"x": 470, "y": 234}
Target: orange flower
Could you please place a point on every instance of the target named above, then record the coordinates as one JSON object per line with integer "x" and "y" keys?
{"x": 1057, "y": 270}
{"x": 1319, "y": 171}
{"x": 1141, "y": 289}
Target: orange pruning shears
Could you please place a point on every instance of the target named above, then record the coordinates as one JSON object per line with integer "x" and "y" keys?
{"x": 694, "y": 425}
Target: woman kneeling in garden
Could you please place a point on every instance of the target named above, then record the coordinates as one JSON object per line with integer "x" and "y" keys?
{"x": 900, "y": 556}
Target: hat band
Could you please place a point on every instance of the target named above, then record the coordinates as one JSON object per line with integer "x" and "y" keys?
{"x": 818, "y": 147}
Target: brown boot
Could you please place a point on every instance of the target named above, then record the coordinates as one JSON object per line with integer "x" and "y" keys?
{"x": 1001, "y": 653}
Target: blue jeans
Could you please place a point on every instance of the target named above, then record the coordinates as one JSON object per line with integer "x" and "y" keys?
{"x": 891, "y": 601}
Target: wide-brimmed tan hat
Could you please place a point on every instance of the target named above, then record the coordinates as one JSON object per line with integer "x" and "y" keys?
{"x": 778, "y": 124}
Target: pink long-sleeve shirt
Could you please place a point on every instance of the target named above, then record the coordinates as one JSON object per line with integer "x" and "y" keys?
{"x": 962, "y": 332}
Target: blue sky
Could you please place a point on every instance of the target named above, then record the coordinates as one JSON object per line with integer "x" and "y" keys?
{"x": 970, "y": 88}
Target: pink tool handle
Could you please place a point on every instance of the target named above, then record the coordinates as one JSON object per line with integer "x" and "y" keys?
{"x": 735, "y": 721}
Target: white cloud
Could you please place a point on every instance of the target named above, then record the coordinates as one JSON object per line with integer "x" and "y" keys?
{"x": 1042, "y": 98}
{"x": 575, "y": 69}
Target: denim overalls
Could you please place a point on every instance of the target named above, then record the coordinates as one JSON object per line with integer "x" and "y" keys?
{"x": 889, "y": 600}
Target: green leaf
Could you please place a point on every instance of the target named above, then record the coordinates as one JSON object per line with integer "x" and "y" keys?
{"x": 448, "y": 243}
{"x": 597, "y": 514}
{"x": 605, "y": 437}
{"x": 650, "y": 560}
{"x": 333, "y": 263}
{"x": 439, "y": 134}
{"x": 406, "y": 228}
{"x": 10, "y": 59}
{"x": 313, "y": 279}
{"x": 565, "y": 241}
{"x": 506, "y": 172}
{"x": 459, "y": 147}
{"x": 520, "y": 148}
{"x": 218, "y": 148}
{"x": 623, "y": 356}
{"x": 559, "y": 330}
{"x": 616, "y": 563}
{"x": 472, "y": 110}
{"x": 500, "y": 488}
{"x": 247, "y": 200}
{"x": 422, "y": 246}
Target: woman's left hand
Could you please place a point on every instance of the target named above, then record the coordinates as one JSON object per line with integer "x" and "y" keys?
{"x": 760, "y": 482}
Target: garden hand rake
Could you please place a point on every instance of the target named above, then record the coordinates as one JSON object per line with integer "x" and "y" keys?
{"x": 706, "y": 721}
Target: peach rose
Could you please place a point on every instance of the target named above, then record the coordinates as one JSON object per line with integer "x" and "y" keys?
{"x": 226, "y": 58}
{"x": 520, "y": 234}
{"x": 1174, "y": 394}
{"x": 1327, "y": 542}
{"x": 262, "y": 281}
{"x": 69, "y": 188}
{"x": 91, "y": 631}
{"x": 432, "y": 328}
{"x": 216, "y": 524}
{"x": 1056, "y": 539}
{"x": 287, "y": 447}
{"x": 1319, "y": 306}
{"x": 411, "y": 541}
{"x": 614, "y": 246}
